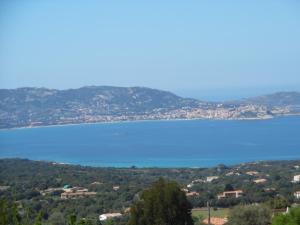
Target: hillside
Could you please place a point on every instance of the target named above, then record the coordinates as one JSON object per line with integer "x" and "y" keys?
{"x": 280, "y": 99}
{"x": 19, "y": 179}
{"x": 25, "y": 107}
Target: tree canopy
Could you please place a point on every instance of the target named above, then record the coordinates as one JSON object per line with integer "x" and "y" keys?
{"x": 162, "y": 204}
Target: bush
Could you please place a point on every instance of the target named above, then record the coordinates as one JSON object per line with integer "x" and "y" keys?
{"x": 292, "y": 218}
{"x": 249, "y": 215}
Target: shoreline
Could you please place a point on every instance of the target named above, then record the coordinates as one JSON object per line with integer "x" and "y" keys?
{"x": 145, "y": 120}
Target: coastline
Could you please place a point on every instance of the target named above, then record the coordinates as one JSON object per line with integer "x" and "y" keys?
{"x": 57, "y": 163}
{"x": 146, "y": 120}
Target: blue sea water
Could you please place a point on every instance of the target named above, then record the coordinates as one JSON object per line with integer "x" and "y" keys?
{"x": 194, "y": 143}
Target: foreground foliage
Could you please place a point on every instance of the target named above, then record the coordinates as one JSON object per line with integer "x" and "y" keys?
{"x": 291, "y": 218}
{"x": 27, "y": 179}
{"x": 250, "y": 215}
{"x": 162, "y": 204}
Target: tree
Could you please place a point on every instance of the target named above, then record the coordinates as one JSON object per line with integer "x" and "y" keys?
{"x": 39, "y": 218}
{"x": 198, "y": 220}
{"x": 249, "y": 215}
{"x": 57, "y": 218}
{"x": 278, "y": 202}
{"x": 72, "y": 219}
{"x": 162, "y": 204}
{"x": 292, "y": 218}
{"x": 228, "y": 187}
{"x": 3, "y": 212}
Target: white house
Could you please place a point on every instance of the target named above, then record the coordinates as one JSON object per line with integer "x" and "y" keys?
{"x": 211, "y": 178}
{"x": 297, "y": 194}
{"x": 259, "y": 181}
{"x": 296, "y": 178}
{"x": 107, "y": 216}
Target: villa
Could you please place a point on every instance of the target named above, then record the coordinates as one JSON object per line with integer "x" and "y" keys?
{"x": 73, "y": 195}
{"x": 231, "y": 194}
{"x": 75, "y": 192}
{"x": 296, "y": 179}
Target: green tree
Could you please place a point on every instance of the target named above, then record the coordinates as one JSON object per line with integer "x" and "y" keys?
{"x": 16, "y": 219}
{"x": 57, "y": 218}
{"x": 292, "y": 218}
{"x": 39, "y": 218}
{"x": 3, "y": 212}
{"x": 278, "y": 202}
{"x": 198, "y": 220}
{"x": 162, "y": 204}
{"x": 249, "y": 215}
{"x": 72, "y": 219}
{"x": 228, "y": 187}
{"x": 82, "y": 222}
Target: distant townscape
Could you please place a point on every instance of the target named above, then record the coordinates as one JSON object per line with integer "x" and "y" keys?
{"x": 31, "y": 107}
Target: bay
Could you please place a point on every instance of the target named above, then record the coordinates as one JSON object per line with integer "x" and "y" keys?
{"x": 184, "y": 143}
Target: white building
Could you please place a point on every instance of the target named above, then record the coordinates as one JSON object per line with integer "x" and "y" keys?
{"x": 231, "y": 194}
{"x": 297, "y": 194}
{"x": 296, "y": 179}
{"x": 252, "y": 173}
{"x": 107, "y": 216}
{"x": 211, "y": 178}
{"x": 259, "y": 181}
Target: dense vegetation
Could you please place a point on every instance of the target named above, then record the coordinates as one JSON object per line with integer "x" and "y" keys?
{"x": 250, "y": 215}
{"x": 291, "y": 218}
{"x": 27, "y": 179}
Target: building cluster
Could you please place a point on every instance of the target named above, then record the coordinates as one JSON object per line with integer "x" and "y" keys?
{"x": 296, "y": 179}
{"x": 69, "y": 192}
{"x": 75, "y": 192}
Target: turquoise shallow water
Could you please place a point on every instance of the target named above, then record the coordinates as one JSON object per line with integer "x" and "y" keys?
{"x": 195, "y": 143}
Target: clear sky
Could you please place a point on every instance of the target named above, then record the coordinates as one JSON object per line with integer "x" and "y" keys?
{"x": 203, "y": 48}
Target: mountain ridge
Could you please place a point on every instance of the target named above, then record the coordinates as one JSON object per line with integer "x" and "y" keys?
{"x": 30, "y": 106}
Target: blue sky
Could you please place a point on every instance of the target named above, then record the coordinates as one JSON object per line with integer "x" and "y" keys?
{"x": 208, "y": 49}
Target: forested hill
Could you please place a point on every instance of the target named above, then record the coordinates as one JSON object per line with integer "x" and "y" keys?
{"x": 24, "y": 107}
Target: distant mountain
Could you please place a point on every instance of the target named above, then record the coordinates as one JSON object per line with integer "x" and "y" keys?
{"x": 24, "y": 107}
{"x": 280, "y": 99}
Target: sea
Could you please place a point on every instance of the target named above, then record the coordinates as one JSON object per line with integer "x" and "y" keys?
{"x": 174, "y": 143}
